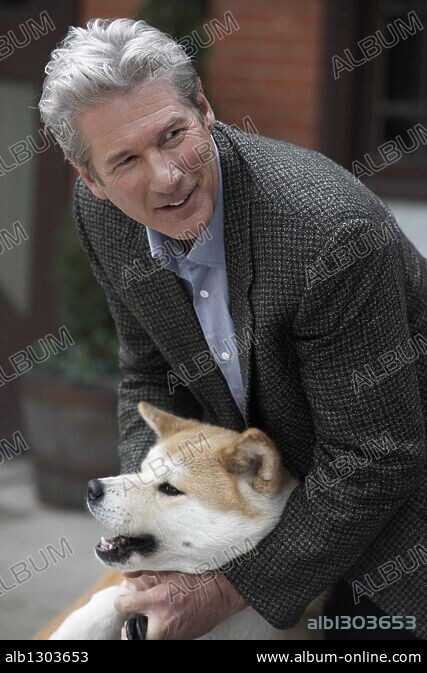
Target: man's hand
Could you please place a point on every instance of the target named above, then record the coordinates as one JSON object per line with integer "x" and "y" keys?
{"x": 180, "y": 606}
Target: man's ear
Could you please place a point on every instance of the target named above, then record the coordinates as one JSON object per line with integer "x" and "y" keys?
{"x": 94, "y": 187}
{"x": 254, "y": 457}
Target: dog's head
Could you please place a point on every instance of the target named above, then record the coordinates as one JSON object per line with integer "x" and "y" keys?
{"x": 204, "y": 494}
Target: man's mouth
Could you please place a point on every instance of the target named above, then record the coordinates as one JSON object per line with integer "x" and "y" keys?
{"x": 119, "y": 548}
{"x": 180, "y": 205}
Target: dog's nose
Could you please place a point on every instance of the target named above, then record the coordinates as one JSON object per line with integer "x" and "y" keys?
{"x": 95, "y": 489}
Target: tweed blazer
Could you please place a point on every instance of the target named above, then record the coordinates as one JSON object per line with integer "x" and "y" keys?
{"x": 329, "y": 303}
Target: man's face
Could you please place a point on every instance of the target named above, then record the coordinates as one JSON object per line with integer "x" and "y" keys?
{"x": 145, "y": 166}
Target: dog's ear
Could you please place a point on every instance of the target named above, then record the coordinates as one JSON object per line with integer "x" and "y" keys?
{"x": 163, "y": 423}
{"x": 255, "y": 457}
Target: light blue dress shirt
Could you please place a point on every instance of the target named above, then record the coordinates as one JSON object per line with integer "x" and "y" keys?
{"x": 204, "y": 275}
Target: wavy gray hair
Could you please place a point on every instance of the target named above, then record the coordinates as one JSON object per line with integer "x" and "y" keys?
{"x": 107, "y": 58}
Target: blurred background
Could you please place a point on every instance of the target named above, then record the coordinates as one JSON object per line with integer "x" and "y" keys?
{"x": 345, "y": 77}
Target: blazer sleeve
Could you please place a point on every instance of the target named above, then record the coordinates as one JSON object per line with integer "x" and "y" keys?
{"x": 358, "y": 370}
{"x": 144, "y": 367}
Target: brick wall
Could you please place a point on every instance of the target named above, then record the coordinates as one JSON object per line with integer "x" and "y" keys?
{"x": 270, "y": 68}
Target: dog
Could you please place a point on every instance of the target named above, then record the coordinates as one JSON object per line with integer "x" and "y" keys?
{"x": 203, "y": 495}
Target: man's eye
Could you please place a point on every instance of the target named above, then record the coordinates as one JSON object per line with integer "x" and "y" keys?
{"x": 167, "y": 489}
{"x": 177, "y": 131}
{"x": 124, "y": 162}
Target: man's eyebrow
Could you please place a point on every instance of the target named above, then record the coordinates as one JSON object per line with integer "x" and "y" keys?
{"x": 113, "y": 158}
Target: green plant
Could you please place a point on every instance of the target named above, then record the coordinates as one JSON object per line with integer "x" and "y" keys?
{"x": 83, "y": 309}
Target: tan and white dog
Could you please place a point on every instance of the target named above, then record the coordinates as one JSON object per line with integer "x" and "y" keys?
{"x": 203, "y": 496}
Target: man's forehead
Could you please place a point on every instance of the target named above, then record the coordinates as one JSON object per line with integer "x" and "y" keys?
{"x": 155, "y": 128}
{"x": 147, "y": 111}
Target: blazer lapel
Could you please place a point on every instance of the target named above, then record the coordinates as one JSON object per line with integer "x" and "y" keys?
{"x": 238, "y": 252}
{"x": 169, "y": 316}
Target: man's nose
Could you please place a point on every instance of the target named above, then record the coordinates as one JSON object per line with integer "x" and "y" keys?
{"x": 95, "y": 490}
{"x": 164, "y": 174}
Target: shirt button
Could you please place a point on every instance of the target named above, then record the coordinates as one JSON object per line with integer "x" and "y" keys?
{"x": 204, "y": 293}
{"x": 225, "y": 356}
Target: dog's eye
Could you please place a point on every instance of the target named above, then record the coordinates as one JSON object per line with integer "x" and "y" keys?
{"x": 168, "y": 489}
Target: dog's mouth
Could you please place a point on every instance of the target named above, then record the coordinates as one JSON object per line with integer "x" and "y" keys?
{"x": 119, "y": 548}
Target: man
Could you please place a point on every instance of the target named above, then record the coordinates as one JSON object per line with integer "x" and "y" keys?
{"x": 307, "y": 269}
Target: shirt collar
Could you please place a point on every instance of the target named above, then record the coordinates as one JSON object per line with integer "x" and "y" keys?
{"x": 209, "y": 245}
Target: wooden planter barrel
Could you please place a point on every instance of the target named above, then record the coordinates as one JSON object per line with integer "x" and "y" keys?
{"x": 72, "y": 435}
